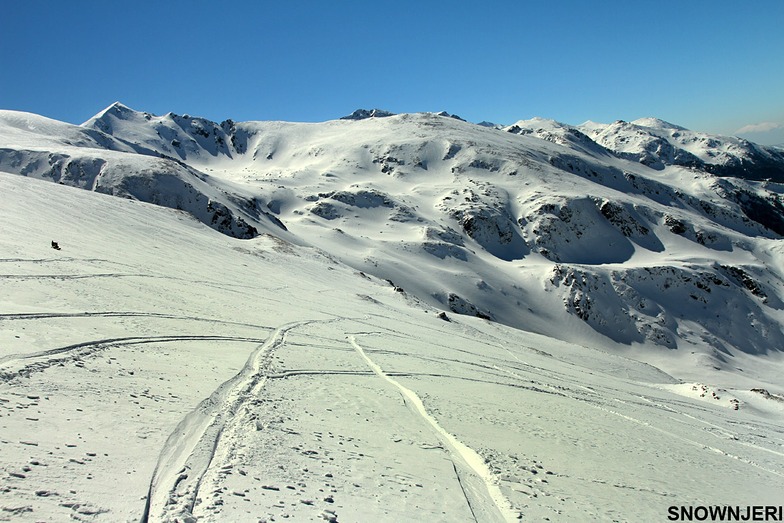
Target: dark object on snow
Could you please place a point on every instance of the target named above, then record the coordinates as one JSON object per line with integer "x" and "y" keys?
{"x": 442, "y": 315}
{"x": 55, "y": 245}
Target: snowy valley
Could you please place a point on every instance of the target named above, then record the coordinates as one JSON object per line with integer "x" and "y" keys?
{"x": 386, "y": 318}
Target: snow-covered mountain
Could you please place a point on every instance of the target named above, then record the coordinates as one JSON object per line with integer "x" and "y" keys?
{"x": 657, "y": 143}
{"x": 640, "y": 250}
{"x": 624, "y": 229}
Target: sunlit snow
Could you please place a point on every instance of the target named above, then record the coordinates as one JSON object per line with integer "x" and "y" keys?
{"x": 433, "y": 321}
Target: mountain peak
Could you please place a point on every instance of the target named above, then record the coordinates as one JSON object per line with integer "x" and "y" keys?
{"x": 448, "y": 115}
{"x": 363, "y": 114}
{"x": 118, "y": 109}
{"x": 539, "y": 121}
{"x": 656, "y": 123}
{"x": 485, "y": 123}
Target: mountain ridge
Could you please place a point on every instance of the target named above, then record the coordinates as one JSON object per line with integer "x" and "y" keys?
{"x": 476, "y": 220}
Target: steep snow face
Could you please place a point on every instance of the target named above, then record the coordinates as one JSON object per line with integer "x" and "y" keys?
{"x": 539, "y": 226}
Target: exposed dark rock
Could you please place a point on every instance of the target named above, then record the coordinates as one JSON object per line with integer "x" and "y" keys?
{"x": 363, "y": 114}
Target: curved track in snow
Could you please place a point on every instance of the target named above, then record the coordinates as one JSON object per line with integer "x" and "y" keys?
{"x": 39, "y": 361}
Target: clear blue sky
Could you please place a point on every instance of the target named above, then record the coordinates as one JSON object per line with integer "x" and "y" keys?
{"x": 714, "y": 66}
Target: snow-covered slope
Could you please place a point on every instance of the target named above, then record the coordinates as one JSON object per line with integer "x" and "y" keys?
{"x": 546, "y": 227}
{"x": 92, "y": 159}
{"x": 407, "y": 317}
{"x": 153, "y": 369}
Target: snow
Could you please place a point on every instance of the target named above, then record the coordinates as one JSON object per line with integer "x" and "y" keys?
{"x": 158, "y": 369}
{"x": 657, "y": 143}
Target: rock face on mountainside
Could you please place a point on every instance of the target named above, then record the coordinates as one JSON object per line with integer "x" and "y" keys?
{"x": 643, "y": 232}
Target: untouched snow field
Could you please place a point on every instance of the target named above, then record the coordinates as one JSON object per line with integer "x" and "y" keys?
{"x": 154, "y": 369}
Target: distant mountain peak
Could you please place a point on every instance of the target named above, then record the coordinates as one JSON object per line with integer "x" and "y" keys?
{"x": 119, "y": 106}
{"x": 117, "y": 109}
{"x": 448, "y": 115}
{"x": 363, "y": 114}
{"x": 656, "y": 123}
{"x": 485, "y": 123}
{"x": 537, "y": 122}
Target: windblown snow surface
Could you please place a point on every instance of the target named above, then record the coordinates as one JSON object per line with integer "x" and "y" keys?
{"x": 389, "y": 318}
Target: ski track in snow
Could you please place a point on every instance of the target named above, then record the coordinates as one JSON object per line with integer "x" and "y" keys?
{"x": 192, "y": 447}
{"x": 702, "y": 445}
{"x": 721, "y": 435}
{"x": 121, "y": 314}
{"x": 457, "y": 449}
{"x": 64, "y": 259}
{"x": 54, "y": 356}
{"x": 714, "y": 430}
{"x": 77, "y": 276}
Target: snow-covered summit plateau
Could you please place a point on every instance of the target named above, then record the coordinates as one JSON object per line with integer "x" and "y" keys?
{"x": 386, "y": 317}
